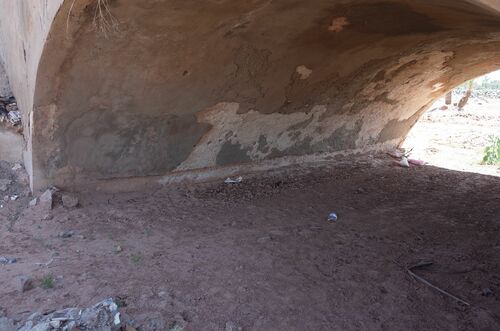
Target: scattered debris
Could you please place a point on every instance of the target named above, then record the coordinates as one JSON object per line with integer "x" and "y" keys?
{"x": 9, "y": 111}
{"x": 233, "y": 181}
{"x": 6, "y": 324}
{"x": 264, "y": 239}
{"x": 404, "y": 162}
{"x": 7, "y": 260}
{"x": 417, "y": 277}
{"x": 332, "y": 217}
{"x": 17, "y": 166}
{"x": 33, "y": 202}
{"x": 118, "y": 249}
{"x": 487, "y": 292}
{"x": 396, "y": 154}
{"x": 24, "y": 283}
{"x": 66, "y": 234}
{"x": 4, "y": 184}
{"x": 416, "y": 162}
{"x": 45, "y": 264}
{"x": 231, "y": 326}
{"x": 102, "y": 316}
{"x": 69, "y": 201}
{"x": 14, "y": 197}
{"x": 179, "y": 324}
{"x": 46, "y": 199}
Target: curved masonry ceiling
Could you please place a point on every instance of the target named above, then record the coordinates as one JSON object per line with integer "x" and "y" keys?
{"x": 179, "y": 85}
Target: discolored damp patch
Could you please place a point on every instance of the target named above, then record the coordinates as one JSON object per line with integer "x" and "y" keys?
{"x": 342, "y": 138}
{"x": 231, "y": 153}
{"x": 114, "y": 145}
{"x": 262, "y": 145}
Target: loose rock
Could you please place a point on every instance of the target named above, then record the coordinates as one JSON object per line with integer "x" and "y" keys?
{"x": 7, "y": 260}
{"x": 487, "y": 292}
{"x": 66, "y": 234}
{"x": 33, "y": 202}
{"x": 4, "y": 184}
{"x": 46, "y": 199}
{"x": 6, "y": 324}
{"x": 24, "y": 283}
{"x": 231, "y": 326}
{"x": 102, "y": 316}
{"x": 69, "y": 201}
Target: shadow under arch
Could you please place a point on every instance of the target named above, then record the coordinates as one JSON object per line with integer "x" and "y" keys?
{"x": 181, "y": 88}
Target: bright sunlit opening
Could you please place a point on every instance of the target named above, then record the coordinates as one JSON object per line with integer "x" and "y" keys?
{"x": 461, "y": 130}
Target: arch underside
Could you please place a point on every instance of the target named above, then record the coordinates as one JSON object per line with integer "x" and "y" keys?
{"x": 183, "y": 85}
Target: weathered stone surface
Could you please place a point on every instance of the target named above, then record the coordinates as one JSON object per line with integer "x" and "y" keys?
{"x": 33, "y": 202}
{"x": 102, "y": 316}
{"x": 6, "y": 324}
{"x": 24, "y": 283}
{"x": 250, "y": 82}
{"x": 46, "y": 199}
{"x": 4, "y": 184}
{"x": 69, "y": 201}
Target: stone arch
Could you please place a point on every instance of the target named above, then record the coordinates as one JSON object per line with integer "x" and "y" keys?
{"x": 183, "y": 86}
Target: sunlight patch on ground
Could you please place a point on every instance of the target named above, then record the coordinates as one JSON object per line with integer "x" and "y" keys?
{"x": 453, "y": 139}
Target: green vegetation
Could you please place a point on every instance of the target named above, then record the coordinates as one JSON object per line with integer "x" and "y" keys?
{"x": 488, "y": 84}
{"x": 492, "y": 152}
{"x": 47, "y": 282}
{"x": 136, "y": 258}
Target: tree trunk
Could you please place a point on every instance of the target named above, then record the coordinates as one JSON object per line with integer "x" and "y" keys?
{"x": 465, "y": 98}
{"x": 448, "y": 99}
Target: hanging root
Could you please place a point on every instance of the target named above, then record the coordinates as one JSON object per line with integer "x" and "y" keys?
{"x": 104, "y": 21}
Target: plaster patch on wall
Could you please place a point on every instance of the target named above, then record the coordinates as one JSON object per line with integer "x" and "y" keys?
{"x": 338, "y": 24}
{"x": 304, "y": 72}
{"x": 242, "y": 134}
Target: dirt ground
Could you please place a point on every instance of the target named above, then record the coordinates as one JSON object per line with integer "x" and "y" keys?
{"x": 454, "y": 139}
{"x": 261, "y": 255}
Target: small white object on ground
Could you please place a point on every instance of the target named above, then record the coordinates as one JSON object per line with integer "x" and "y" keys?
{"x": 233, "y": 181}
{"x": 404, "y": 162}
{"x": 7, "y": 260}
{"x": 332, "y": 217}
{"x": 17, "y": 166}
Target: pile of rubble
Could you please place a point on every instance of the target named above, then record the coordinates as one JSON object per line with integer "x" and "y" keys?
{"x": 9, "y": 112}
{"x": 102, "y": 316}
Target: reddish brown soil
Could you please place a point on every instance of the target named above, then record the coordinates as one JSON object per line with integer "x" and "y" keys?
{"x": 262, "y": 255}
